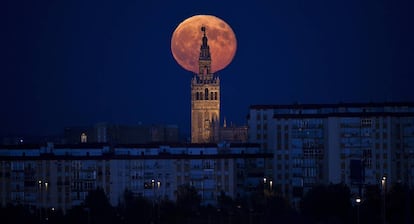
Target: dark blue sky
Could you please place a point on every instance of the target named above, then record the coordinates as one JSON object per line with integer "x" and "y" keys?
{"x": 68, "y": 63}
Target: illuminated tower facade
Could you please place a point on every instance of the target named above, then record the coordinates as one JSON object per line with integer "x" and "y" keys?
{"x": 205, "y": 99}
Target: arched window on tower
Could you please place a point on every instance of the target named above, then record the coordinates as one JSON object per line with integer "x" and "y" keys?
{"x": 200, "y": 95}
{"x": 212, "y": 96}
{"x": 197, "y": 96}
{"x": 206, "y": 94}
{"x": 215, "y": 95}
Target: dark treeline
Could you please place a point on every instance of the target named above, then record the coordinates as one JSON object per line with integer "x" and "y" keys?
{"x": 322, "y": 204}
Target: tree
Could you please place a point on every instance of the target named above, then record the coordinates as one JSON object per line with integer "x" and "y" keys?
{"x": 188, "y": 200}
{"x": 278, "y": 208}
{"x": 135, "y": 209}
{"x": 168, "y": 212}
{"x": 225, "y": 202}
{"x": 398, "y": 204}
{"x": 98, "y": 207}
{"x": 370, "y": 208}
{"x": 17, "y": 214}
{"x": 77, "y": 214}
{"x": 330, "y": 203}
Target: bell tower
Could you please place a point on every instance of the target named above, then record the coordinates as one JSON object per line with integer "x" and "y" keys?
{"x": 205, "y": 99}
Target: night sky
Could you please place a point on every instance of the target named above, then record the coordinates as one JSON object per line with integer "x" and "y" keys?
{"x": 75, "y": 63}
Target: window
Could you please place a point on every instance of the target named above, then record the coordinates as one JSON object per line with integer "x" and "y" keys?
{"x": 84, "y": 138}
{"x": 206, "y": 94}
{"x": 368, "y": 163}
{"x": 366, "y": 122}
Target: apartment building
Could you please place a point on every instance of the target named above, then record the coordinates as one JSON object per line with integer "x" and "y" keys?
{"x": 60, "y": 176}
{"x": 352, "y": 143}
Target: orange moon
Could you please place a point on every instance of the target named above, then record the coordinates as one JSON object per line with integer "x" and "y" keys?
{"x": 187, "y": 39}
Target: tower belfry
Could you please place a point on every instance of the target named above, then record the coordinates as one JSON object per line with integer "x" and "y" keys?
{"x": 205, "y": 98}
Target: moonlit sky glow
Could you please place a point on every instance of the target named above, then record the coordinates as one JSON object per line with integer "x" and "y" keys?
{"x": 68, "y": 63}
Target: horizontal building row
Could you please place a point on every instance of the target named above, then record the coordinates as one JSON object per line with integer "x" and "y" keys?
{"x": 355, "y": 143}
{"x": 60, "y": 176}
{"x": 292, "y": 148}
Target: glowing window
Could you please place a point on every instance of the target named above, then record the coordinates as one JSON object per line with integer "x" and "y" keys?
{"x": 84, "y": 138}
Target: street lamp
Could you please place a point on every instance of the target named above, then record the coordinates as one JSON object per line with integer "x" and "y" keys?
{"x": 358, "y": 201}
{"x": 42, "y": 192}
{"x": 270, "y": 185}
{"x": 383, "y": 188}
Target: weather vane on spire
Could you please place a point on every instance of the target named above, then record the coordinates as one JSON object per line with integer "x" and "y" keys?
{"x": 203, "y": 28}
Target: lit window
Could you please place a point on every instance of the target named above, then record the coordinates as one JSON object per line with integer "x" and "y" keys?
{"x": 84, "y": 138}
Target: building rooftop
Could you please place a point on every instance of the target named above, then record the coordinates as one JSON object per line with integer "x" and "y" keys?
{"x": 337, "y": 105}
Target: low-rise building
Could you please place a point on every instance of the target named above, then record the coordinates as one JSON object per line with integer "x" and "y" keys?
{"x": 60, "y": 176}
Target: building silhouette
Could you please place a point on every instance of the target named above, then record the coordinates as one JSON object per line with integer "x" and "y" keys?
{"x": 121, "y": 134}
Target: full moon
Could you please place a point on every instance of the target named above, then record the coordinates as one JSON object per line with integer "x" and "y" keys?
{"x": 186, "y": 42}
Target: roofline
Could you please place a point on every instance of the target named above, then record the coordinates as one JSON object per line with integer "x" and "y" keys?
{"x": 148, "y": 145}
{"x": 162, "y": 156}
{"x": 347, "y": 114}
{"x": 336, "y": 105}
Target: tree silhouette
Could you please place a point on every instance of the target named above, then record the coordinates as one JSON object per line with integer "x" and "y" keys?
{"x": 330, "y": 203}
{"x": 370, "y": 208}
{"x": 188, "y": 201}
{"x": 399, "y": 204}
{"x": 135, "y": 209}
{"x": 98, "y": 207}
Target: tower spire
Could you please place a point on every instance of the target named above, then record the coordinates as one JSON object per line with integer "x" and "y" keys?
{"x": 204, "y": 49}
{"x": 204, "y": 60}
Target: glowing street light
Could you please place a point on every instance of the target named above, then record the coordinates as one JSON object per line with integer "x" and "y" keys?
{"x": 358, "y": 201}
{"x": 383, "y": 188}
{"x": 270, "y": 185}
